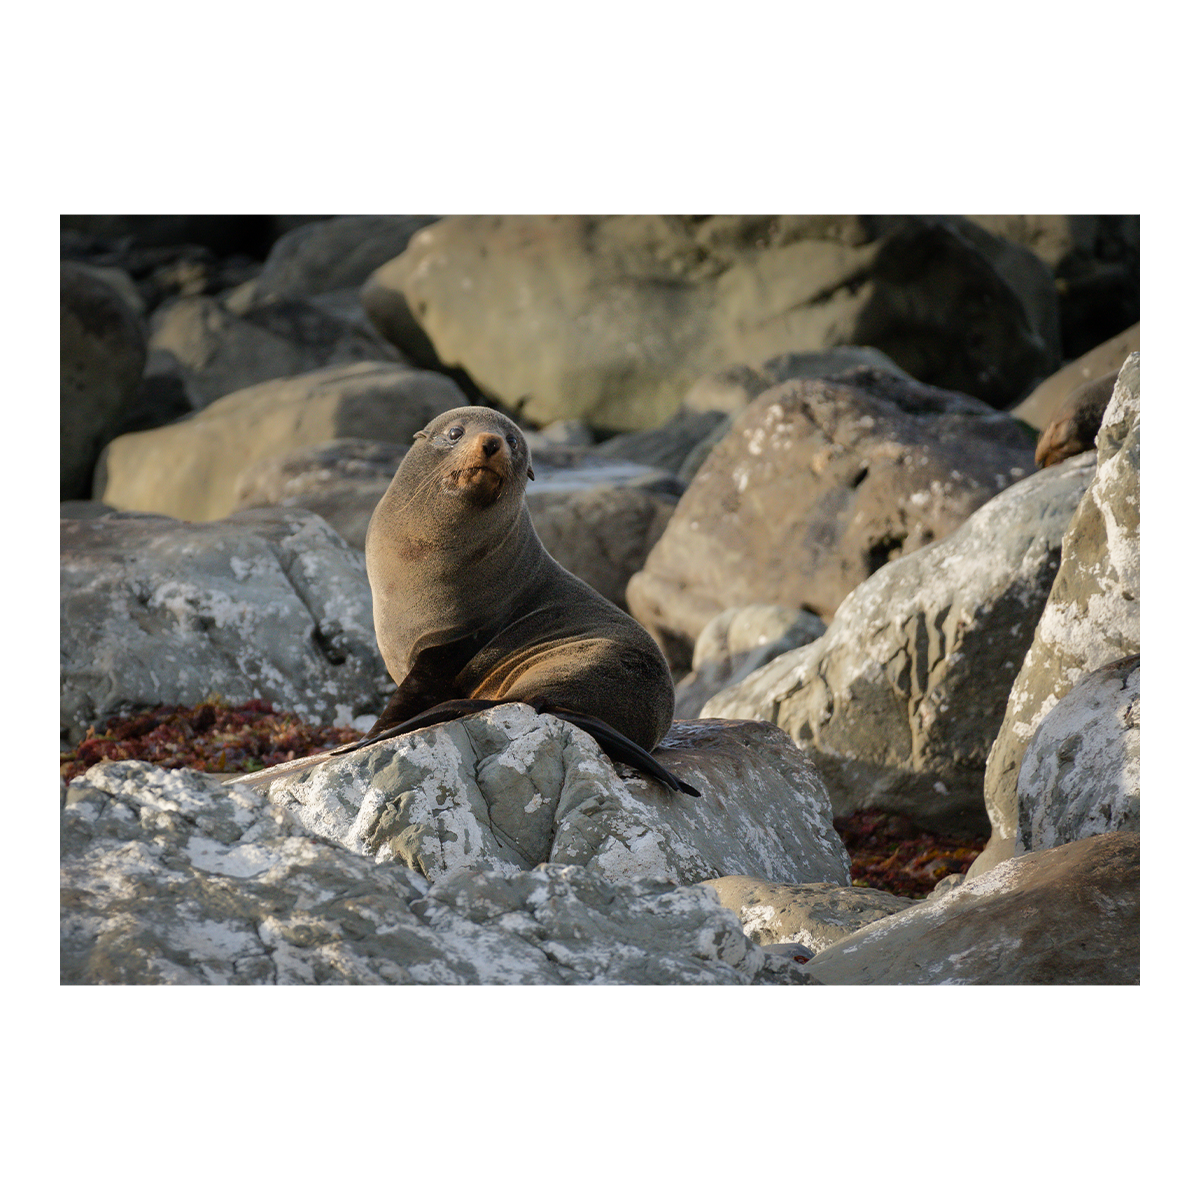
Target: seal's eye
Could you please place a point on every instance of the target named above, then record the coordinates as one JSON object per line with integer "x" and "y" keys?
{"x": 512, "y": 442}
{"x": 455, "y": 432}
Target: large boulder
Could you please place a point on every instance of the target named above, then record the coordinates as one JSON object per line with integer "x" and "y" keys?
{"x": 102, "y": 352}
{"x": 613, "y": 319}
{"x": 330, "y": 256}
{"x": 215, "y": 351}
{"x": 1096, "y": 263}
{"x": 817, "y": 485}
{"x": 191, "y": 469}
{"x": 508, "y": 789}
{"x": 1067, "y": 915}
{"x": 269, "y": 605}
{"x": 1093, "y": 614}
{"x": 170, "y": 877}
{"x": 900, "y": 700}
{"x": 1081, "y": 774}
{"x": 731, "y": 389}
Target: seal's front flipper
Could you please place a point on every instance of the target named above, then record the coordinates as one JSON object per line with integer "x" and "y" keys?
{"x": 616, "y": 745}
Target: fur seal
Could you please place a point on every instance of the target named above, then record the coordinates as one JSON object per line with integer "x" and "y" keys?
{"x": 1073, "y": 428}
{"x": 471, "y": 611}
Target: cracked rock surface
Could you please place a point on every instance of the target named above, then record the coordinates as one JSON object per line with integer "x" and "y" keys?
{"x": 174, "y": 877}
{"x": 267, "y": 604}
{"x": 900, "y": 700}
{"x": 1093, "y": 614}
{"x": 507, "y": 789}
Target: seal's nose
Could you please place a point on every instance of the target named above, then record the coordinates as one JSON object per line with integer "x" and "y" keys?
{"x": 489, "y": 443}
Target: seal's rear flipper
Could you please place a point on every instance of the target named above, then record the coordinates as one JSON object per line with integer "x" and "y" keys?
{"x": 616, "y": 745}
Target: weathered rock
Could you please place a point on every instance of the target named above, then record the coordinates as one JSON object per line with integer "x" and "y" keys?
{"x": 668, "y": 447}
{"x": 102, "y": 351}
{"x": 1067, "y": 915}
{"x": 818, "y": 484}
{"x": 507, "y": 789}
{"x": 332, "y": 255}
{"x": 170, "y": 877}
{"x": 1081, "y": 772}
{"x": 1096, "y": 264}
{"x": 191, "y": 469}
{"x": 601, "y": 534}
{"x": 900, "y": 700}
{"x": 1093, "y": 613}
{"x": 815, "y": 915}
{"x": 341, "y": 480}
{"x": 215, "y": 351}
{"x": 1073, "y": 428}
{"x": 736, "y": 643}
{"x": 613, "y": 319}
{"x": 731, "y": 389}
{"x": 269, "y": 604}
{"x": 1040, "y": 406}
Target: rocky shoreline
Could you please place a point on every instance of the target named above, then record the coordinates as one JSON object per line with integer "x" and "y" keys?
{"x": 800, "y": 451}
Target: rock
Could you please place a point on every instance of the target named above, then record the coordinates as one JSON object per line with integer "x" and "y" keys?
{"x": 1067, "y": 915}
{"x": 268, "y": 604}
{"x": 736, "y": 643}
{"x": 191, "y": 469}
{"x": 1096, "y": 262}
{"x": 169, "y": 877}
{"x": 1073, "y": 428}
{"x": 1081, "y": 774}
{"x": 731, "y": 389}
{"x": 668, "y": 447}
{"x": 818, "y": 484}
{"x": 1039, "y": 408}
{"x": 102, "y": 351}
{"x": 815, "y": 915}
{"x": 341, "y": 480}
{"x": 1093, "y": 613}
{"x": 507, "y": 789}
{"x": 900, "y": 700}
{"x": 601, "y": 534}
{"x": 613, "y": 319}
{"x": 331, "y": 255}
{"x": 215, "y": 351}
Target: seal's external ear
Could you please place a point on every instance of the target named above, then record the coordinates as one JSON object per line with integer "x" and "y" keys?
{"x": 529, "y": 472}
{"x": 420, "y": 435}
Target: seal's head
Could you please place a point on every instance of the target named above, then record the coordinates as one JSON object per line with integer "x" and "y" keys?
{"x": 482, "y": 454}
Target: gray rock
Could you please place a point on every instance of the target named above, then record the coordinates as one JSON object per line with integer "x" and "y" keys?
{"x": 332, "y": 255}
{"x": 734, "y": 644}
{"x": 215, "y": 351}
{"x": 341, "y": 480}
{"x": 102, "y": 351}
{"x": 1067, "y": 915}
{"x": 813, "y": 915}
{"x": 601, "y": 534}
{"x": 269, "y": 604}
{"x": 731, "y": 389}
{"x": 900, "y": 700}
{"x": 1093, "y": 613}
{"x": 171, "y": 877}
{"x": 667, "y": 447}
{"x": 191, "y": 469}
{"x": 818, "y": 484}
{"x": 507, "y": 789}
{"x": 1081, "y": 774}
{"x": 613, "y": 319}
